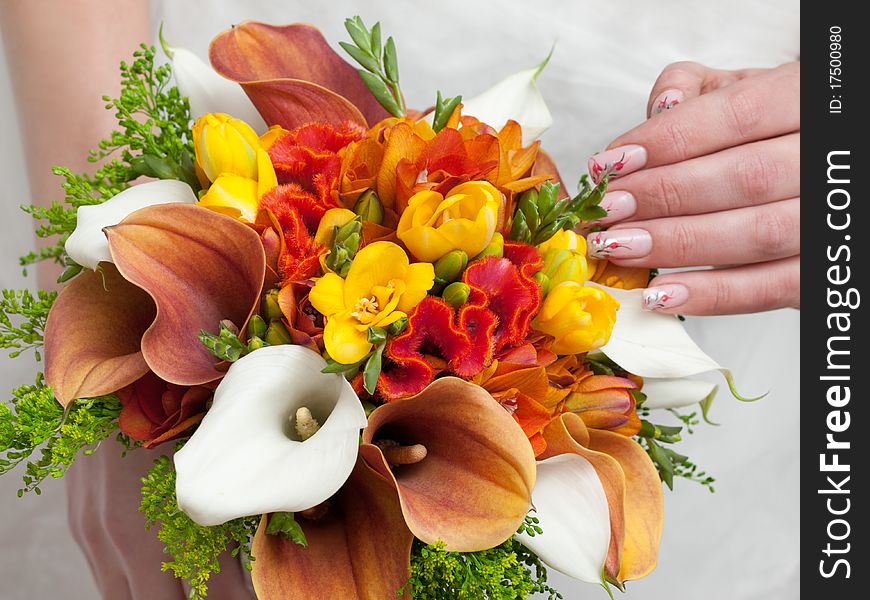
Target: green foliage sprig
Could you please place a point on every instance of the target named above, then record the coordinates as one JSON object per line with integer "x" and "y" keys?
{"x": 540, "y": 214}
{"x": 152, "y": 139}
{"x": 444, "y": 107}
{"x": 33, "y": 421}
{"x": 657, "y": 441}
{"x": 510, "y": 571}
{"x": 194, "y": 549}
{"x": 22, "y": 320}
{"x": 380, "y": 68}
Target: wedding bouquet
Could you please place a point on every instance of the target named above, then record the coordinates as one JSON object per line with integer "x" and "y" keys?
{"x": 374, "y": 334}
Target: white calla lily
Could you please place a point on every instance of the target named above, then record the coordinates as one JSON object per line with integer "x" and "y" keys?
{"x": 517, "y": 97}
{"x": 676, "y": 393}
{"x": 571, "y": 506}
{"x": 652, "y": 344}
{"x": 656, "y": 345}
{"x": 246, "y": 457}
{"x": 87, "y": 244}
{"x": 207, "y": 91}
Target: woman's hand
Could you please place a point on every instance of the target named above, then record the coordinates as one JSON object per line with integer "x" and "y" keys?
{"x": 711, "y": 178}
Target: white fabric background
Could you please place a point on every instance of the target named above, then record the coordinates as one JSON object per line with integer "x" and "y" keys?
{"x": 740, "y": 543}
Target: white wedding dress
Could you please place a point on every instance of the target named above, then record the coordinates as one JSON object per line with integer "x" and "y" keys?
{"x": 740, "y": 543}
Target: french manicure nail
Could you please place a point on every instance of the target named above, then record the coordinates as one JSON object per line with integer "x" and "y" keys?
{"x": 620, "y": 161}
{"x": 667, "y": 100}
{"x": 665, "y": 296}
{"x": 619, "y": 205}
{"x": 619, "y": 243}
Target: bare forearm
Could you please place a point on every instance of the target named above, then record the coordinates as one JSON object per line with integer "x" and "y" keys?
{"x": 63, "y": 56}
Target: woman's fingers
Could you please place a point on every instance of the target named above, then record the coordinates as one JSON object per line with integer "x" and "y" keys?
{"x": 749, "y": 110}
{"x": 739, "y": 236}
{"x": 747, "y": 175}
{"x": 751, "y": 288}
{"x": 681, "y": 81}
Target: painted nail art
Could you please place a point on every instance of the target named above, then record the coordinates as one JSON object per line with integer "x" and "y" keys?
{"x": 665, "y": 296}
{"x": 619, "y": 205}
{"x": 617, "y": 162}
{"x": 667, "y": 100}
{"x": 620, "y": 243}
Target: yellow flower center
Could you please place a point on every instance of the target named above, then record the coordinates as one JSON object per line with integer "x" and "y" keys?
{"x": 365, "y": 310}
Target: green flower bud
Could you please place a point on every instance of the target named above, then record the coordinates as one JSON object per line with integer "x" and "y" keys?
{"x": 456, "y": 294}
{"x": 369, "y": 208}
{"x": 495, "y": 247}
{"x": 271, "y": 309}
{"x": 347, "y": 230}
{"x": 543, "y": 281}
{"x": 256, "y": 327}
{"x": 277, "y": 334}
{"x": 255, "y": 343}
{"x": 397, "y": 327}
{"x": 449, "y": 267}
{"x": 351, "y": 243}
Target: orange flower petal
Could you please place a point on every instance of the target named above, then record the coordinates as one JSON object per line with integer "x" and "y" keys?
{"x": 644, "y": 503}
{"x": 93, "y": 334}
{"x": 402, "y": 143}
{"x": 358, "y": 551}
{"x": 473, "y": 489}
{"x": 200, "y": 268}
{"x": 292, "y": 75}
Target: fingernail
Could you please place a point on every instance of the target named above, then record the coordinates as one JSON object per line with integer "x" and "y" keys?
{"x": 665, "y": 296}
{"x": 619, "y": 243}
{"x": 667, "y": 100}
{"x": 620, "y": 161}
{"x": 619, "y": 205}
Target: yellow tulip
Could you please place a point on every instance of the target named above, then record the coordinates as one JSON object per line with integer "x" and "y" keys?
{"x": 564, "y": 258}
{"x": 579, "y": 317}
{"x": 234, "y": 196}
{"x": 230, "y": 155}
{"x": 225, "y": 145}
{"x": 380, "y": 288}
{"x": 432, "y": 225}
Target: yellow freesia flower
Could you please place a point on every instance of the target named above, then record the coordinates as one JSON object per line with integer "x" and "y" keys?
{"x": 564, "y": 258}
{"x": 579, "y": 317}
{"x": 380, "y": 288}
{"x": 432, "y": 225}
{"x": 230, "y": 155}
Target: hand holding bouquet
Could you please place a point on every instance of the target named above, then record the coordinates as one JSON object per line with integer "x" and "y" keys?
{"x": 375, "y": 335}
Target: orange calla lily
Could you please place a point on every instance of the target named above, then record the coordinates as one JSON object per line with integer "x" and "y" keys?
{"x": 198, "y": 267}
{"x": 631, "y": 485}
{"x": 358, "y": 549}
{"x": 293, "y": 76}
{"x": 473, "y": 488}
{"x": 93, "y": 334}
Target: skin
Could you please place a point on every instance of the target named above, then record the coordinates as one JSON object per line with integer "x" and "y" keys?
{"x": 59, "y": 74}
{"x": 721, "y": 187}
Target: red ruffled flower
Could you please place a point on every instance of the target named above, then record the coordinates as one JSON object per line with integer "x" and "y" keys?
{"x": 308, "y": 157}
{"x": 504, "y": 297}
{"x": 155, "y": 411}
{"x": 506, "y": 287}
{"x": 436, "y": 340}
